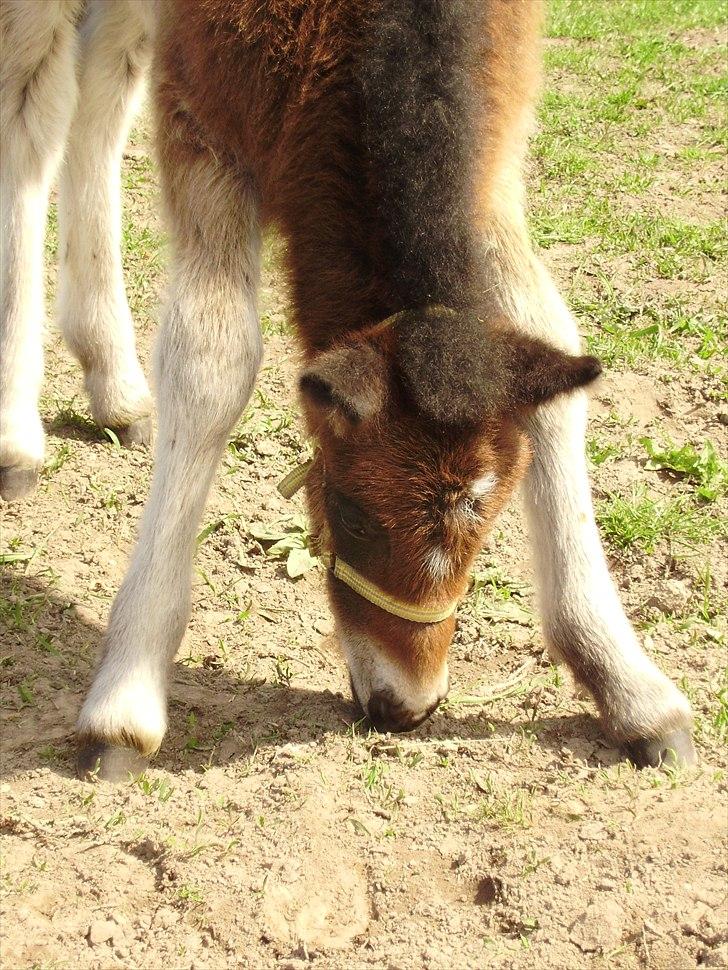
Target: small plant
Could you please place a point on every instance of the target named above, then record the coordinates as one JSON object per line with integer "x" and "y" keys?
{"x": 59, "y": 459}
{"x": 599, "y": 452}
{"x": 719, "y": 719}
{"x": 190, "y": 894}
{"x": 282, "y": 672}
{"x": 26, "y": 695}
{"x": 192, "y": 742}
{"x": 291, "y": 540}
{"x": 507, "y": 809}
{"x": 498, "y": 598}
{"x": 117, "y": 818}
{"x": 705, "y": 467}
{"x": 158, "y": 786}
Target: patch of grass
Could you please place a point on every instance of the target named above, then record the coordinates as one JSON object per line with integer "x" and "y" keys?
{"x": 157, "y": 786}
{"x": 507, "y": 809}
{"x": 642, "y": 522}
{"x": 282, "y": 672}
{"x": 719, "y": 718}
{"x": 499, "y": 598}
{"x": 627, "y": 18}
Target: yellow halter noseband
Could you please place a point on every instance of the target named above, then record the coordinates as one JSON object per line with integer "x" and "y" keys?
{"x": 364, "y": 587}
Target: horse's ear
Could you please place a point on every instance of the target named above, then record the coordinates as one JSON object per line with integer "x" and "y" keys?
{"x": 539, "y": 372}
{"x": 348, "y": 382}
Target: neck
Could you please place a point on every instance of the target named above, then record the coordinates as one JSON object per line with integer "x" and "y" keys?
{"x": 336, "y": 283}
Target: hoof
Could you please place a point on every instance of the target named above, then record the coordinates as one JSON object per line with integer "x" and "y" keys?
{"x": 671, "y": 751}
{"x": 17, "y": 483}
{"x": 136, "y": 435}
{"x": 97, "y": 760}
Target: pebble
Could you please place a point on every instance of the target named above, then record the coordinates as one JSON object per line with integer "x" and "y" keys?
{"x": 714, "y": 958}
{"x": 266, "y": 447}
{"x": 103, "y": 930}
{"x": 166, "y": 917}
{"x": 671, "y": 596}
{"x": 578, "y": 748}
{"x": 573, "y": 808}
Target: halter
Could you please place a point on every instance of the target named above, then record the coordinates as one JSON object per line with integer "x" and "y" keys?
{"x": 351, "y": 577}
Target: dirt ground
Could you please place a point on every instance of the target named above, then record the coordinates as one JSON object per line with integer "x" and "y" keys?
{"x": 273, "y": 829}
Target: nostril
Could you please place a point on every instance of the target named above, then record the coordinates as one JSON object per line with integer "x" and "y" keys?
{"x": 387, "y": 713}
{"x": 384, "y": 711}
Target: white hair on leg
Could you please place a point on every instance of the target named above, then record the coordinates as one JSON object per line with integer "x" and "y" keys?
{"x": 92, "y": 306}
{"x": 37, "y": 98}
{"x": 208, "y": 353}
{"x": 581, "y": 611}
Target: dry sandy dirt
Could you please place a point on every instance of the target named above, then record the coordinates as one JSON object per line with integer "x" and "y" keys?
{"x": 273, "y": 829}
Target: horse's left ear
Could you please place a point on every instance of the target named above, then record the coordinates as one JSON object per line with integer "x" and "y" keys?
{"x": 346, "y": 383}
{"x": 539, "y": 372}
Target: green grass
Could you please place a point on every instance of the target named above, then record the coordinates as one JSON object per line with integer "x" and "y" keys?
{"x": 642, "y": 522}
{"x": 642, "y": 207}
{"x": 628, "y": 18}
{"x": 704, "y": 467}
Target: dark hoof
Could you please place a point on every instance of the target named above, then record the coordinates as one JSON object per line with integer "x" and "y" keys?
{"x": 671, "y": 751}
{"x": 136, "y": 435}
{"x": 97, "y": 760}
{"x": 17, "y": 482}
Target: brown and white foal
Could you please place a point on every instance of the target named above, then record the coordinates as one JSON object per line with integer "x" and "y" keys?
{"x": 385, "y": 139}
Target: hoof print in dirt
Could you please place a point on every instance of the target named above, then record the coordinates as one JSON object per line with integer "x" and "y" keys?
{"x": 136, "y": 435}
{"x": 99, "y": 761}
{"x": 17, "y": 483}
{"x": 671, "y": 751}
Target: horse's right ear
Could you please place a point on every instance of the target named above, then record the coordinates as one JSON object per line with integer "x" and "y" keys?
{"x": 347, "y": 383}
{"x": 539, "y": 372}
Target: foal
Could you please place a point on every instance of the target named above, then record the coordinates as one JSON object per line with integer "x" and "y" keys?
{"x": 385, "y": 139}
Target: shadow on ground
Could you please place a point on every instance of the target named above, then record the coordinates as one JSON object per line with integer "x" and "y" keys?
{"x": 47, "y": 659}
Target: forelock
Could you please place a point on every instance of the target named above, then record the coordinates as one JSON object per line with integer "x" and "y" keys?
{"x": 451, "y": 373}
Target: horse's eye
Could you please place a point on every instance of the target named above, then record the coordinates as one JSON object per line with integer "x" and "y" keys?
{"x": 351, "y": 518}
{"x": 353, "y": 523}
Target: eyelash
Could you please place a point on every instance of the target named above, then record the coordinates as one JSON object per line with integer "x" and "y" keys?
{"x": 356, "y": 530}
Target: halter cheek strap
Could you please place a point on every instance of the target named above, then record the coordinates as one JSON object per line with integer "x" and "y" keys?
{"x": 364, "y": 587}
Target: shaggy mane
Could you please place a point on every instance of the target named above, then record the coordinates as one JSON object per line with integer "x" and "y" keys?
{"x": 421, "y": 128}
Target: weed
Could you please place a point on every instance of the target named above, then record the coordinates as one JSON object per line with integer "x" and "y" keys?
{"x": 601, "y": 452}
{"x": 190, "y": 894}
{"x": 498, "y": 598}
{"x": 291, "y": 540}
{"x": 116, "y": 818}
{"x": 282, "y": 672}
{"x": 157, "y": 786}
{"x": 705, "y": 467}
{"x": 26, "y": 695}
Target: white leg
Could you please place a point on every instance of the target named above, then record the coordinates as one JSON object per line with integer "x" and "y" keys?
{"x": 92, "y": 307}
{"x": 208, "y": 354}
{"x": 37, "y": 98}
{"x": 584, "y": 621}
